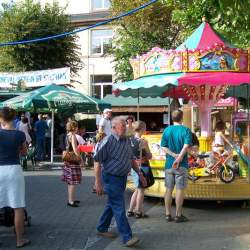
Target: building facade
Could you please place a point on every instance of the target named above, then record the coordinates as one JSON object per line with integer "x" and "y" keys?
{"x": 97, "y": 74}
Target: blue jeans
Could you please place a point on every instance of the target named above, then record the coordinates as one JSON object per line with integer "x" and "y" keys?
{"x": 40, "y": 149}
{"x": 115, "y": 186}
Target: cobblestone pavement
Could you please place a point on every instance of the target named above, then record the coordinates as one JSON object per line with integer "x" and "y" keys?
{"x": 56, "y": 226}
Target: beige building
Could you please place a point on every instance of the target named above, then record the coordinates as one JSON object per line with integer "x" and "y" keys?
{"x": 96, "y": 76}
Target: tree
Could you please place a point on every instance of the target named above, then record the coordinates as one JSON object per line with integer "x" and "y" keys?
{"x": 229, "y": 18}
{"x": 28, "y": 20}
{"x": 138, "y": 33}
{"x": 167, "y": 23}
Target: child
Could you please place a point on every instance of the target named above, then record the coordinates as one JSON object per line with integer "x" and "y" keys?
{"x": 220, "y": 140}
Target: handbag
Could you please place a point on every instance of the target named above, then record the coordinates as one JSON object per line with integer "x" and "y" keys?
{"x": 147, "y": 173}
{"x": 70, "y": 156}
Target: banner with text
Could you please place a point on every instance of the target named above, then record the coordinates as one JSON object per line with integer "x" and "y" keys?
{"x": 35, "y": 78}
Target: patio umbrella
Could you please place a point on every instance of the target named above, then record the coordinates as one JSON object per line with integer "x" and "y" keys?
{"x": 55, "y": 99}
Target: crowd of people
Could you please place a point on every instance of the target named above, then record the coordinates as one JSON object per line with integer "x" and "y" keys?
{"x": 120, "y": 150}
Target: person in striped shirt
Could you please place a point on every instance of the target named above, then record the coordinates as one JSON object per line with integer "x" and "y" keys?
{"x": 116, "y": 159}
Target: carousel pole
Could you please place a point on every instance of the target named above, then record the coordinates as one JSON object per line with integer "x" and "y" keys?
{"x": 138, "y": 105}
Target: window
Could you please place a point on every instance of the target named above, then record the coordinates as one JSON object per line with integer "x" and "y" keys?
{"x": 100, "y": 4}
{"x": 101, "y": 41}
{"x": 102, "y": 85}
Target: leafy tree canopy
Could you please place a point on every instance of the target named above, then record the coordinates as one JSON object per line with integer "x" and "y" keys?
{"x": 168, "y": 22}
{"x": 28, "y": 20}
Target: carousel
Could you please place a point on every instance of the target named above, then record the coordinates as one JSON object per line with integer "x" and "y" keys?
{"x": 202, "y": 69}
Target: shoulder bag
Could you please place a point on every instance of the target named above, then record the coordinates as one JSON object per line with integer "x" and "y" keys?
{"x": 147, "y": 173}
{"x": 70, "y": 156}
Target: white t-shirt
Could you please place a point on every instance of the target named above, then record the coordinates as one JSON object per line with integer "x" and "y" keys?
{"x": 106, "y": 125}
{"x": 24, "y": 127}
{"x": 79, "y": 139}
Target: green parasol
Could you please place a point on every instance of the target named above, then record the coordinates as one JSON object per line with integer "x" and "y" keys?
{"x": 55, "y": 99}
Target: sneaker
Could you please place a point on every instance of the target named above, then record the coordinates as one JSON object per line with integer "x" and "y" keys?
{"x": 181, "y": 218}
{"x": 107, "y": 234}
{"x": 132, "y": 242}
{"x": 169, "y": 218}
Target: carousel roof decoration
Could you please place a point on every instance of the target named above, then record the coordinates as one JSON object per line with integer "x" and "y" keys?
{"x": 204, "y": 51}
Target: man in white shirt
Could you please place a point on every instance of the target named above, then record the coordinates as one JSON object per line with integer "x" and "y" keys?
{"x": 105, "y": 122}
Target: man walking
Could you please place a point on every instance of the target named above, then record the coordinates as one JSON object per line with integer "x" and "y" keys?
{"x": 175, "y": 142}
{"x": 116, "y": 158}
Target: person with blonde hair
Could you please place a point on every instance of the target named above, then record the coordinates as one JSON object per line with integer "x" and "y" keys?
{"x": 72, "y": 173}
{"x": 142, "y": 153}
{"x": 12, "y": 184}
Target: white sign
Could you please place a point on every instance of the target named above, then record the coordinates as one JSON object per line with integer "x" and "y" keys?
{"x": 36, "y": 78}
{"x": 166, "y": 118}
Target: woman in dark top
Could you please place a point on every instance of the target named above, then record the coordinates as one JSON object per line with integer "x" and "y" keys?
{"x": 142, "y": 153}
{"x": 72, "y": 173}
{"x": 12, "y": 186}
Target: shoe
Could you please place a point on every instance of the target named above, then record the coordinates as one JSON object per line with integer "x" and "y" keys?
{"x": 140, "y": 215}
{"x": 130, "y": 213}
{"x": 107, "y": 234}
{"x": 132, "y": 242}
{"x": 181, "y": 218}
{"x": 169, "y": 218}
{"x": 77, "y": 201}
{"x": 25, "y": 243}
{"x": 72, "y": 205}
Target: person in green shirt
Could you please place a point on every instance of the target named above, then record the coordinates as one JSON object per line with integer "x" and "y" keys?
{"x": 175, "y": 142}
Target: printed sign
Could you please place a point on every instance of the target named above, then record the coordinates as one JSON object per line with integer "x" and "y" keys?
{"x": 35, "y": 78}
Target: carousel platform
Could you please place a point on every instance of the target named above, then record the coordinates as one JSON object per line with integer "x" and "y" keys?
{"x": 204, "y": 189}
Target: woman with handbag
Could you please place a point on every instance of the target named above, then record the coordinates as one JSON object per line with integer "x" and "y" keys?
{"x": 73, "y": 163}
{"x": 142, "y": 152}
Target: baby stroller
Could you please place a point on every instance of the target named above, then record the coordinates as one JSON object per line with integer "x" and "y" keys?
{"x": 30, "y": 156}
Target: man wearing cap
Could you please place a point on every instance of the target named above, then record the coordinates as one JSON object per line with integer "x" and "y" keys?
{"x": 105, "y": 123}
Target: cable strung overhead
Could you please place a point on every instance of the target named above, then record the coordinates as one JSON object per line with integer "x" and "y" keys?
{"x": 36, "y": 40}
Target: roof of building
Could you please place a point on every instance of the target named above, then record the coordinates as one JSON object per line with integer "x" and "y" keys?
{"x": 90, "y": 18}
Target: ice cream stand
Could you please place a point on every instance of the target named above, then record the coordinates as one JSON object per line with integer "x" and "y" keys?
{"x": 201, "y": 69}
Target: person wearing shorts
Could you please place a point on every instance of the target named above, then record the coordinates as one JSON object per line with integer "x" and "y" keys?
{"x": 175, "y": 142}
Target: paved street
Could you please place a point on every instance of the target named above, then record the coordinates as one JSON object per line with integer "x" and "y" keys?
{"x": 56, "y": 226}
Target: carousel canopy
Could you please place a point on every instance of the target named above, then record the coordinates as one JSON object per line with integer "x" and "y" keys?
{"x": 205, "y": 58}
{"x": 148, "y": 86}
{"x": 203, "y": 37}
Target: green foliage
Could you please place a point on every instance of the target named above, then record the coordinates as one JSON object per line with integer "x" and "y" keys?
{"x": 229, "y": 18}
{"x": 138, "y": 33}
{"x": 168, "y": 22}
{"x": 28, "y": 20}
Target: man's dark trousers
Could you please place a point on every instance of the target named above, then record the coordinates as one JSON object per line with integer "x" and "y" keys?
{"x": 40, "y": 149}
{"x": 115, "y": 186}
